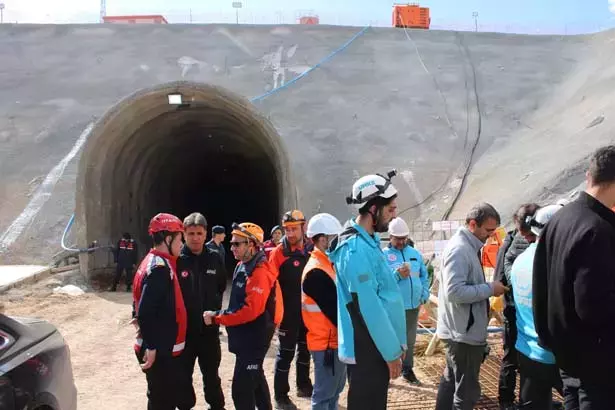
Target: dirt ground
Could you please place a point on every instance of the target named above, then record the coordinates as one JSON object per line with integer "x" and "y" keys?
{"x": 95, "y": 326}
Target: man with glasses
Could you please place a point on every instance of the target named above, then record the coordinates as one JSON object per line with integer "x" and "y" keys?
{"x": 289, "y": 258}
{"x": 249, "y": 317}
{"x": 411, "y": 275}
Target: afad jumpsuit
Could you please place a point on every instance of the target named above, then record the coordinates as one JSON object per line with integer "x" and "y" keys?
{"x": 250, "y": 323}
{"x": 162, "y": 318}
{"x": 289, "y": 264}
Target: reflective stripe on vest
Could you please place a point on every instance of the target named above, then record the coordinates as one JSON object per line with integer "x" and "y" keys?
{"x": 321, "y": 333}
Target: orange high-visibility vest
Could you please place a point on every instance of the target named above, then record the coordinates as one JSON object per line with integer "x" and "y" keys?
{"x": 321, "y": 333}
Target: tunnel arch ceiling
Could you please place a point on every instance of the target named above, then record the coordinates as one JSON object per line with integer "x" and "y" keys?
{"x": 215, "y": 154}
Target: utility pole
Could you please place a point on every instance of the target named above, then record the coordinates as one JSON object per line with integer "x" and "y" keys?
{"x": 1, "y": 13}
{"x": 237, "y": 5}
{"x": 190, "y": 16}
{"x": 475, "y": 15}
{"x": 103, "y": 10}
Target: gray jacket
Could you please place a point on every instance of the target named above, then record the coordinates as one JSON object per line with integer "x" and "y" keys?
{"x": 463, "y": 292}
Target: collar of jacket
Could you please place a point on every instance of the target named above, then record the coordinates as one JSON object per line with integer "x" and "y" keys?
{"x": 252, "y": 263}
{"x": 187, "y": 252}
{"x": 390, "y": 246}
{"x": 321, "y": 256}
{"x": 473, "y": 240}
{"x": 289, "y": 251}
{"x": 372, "y": 240}
{"x": 598, "y": 207}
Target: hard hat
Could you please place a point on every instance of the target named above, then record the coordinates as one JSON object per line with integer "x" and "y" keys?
{"x": 249, "y": 230}
{"x": 165, "y": 223}
{"x": 398, "y": 228}
{"x": 541, "y": 217}
{"x": 323, "y": 224}
{"x": 370, "y": 187}
{"x": 292, "y": 218}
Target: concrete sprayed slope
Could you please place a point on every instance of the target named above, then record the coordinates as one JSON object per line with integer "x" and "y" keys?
{"x": 388, "y": 100}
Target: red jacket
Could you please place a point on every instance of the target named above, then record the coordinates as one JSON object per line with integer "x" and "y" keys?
{"x": 159, "y": 305}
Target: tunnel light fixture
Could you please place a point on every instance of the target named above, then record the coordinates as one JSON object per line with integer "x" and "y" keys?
{"x": 175, "y": 99}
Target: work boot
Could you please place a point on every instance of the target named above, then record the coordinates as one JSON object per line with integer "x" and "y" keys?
{"x": 113, "y": 288}
{"x": 305, "y": 391}
{"x": 508, "y": 406}
{"x": 284, "y": 403}
{"x": 128, "y": 288}
{"x": 410, "y": 377}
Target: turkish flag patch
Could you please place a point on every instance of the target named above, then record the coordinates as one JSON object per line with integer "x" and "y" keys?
{"x": 185, "y": 274}
{"x": 296, "y": 264}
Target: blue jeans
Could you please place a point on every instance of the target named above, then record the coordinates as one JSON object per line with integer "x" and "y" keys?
{"x": 329, "y": 381}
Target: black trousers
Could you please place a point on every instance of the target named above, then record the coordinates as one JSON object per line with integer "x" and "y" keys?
{"x": 586, "y": 394}
{"x": 537, "y": 383}
{"x": 162, "y": 381}
{"x": 250, "y": 388}
{"x": 508, "y": 371}
{"x": 368, "y": 378}
{"x": 206, "y": 349}
{"x": 459, "y": 386}
{"x": 292, "y": 337}
{"x": 119, "y": 269}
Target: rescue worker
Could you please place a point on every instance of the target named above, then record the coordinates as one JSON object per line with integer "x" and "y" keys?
{"x": 289, "y": 259}
{"x": 573, "y": 288}
{"x": 202, "y": 278}
{"x": 538, "y": 372}
{"x": 463, "y": 309}
{"x": 513, "y": 245}
{"x": 218, "y": 234}
{"x": 411, "y": 275}
{"x": 372, "y": 323}
{"x": 160, "y": 313}
{"x": 319, "y": 311}
{"x": 249, "y": 317}
{"x": 274, "y": 241}
{"x": 126, "y": 259}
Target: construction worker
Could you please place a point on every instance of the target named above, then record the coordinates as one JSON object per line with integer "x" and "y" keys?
{"x": 411, "y": 275}
{"x": 372, "y": 323}
{"x": 218, "y": 234}
{"x": 513, "y": 245}
{"x": 289, "y": 259}
{"x": 319, "y": 311}
{"x": 126, "y": 259}
{"x": 160, "y": 314}
{"x": 274, "y": 241}
{"x": 463, "y": 309}
{"x": 538, "y": 372}
{"x": 249, "y": 317}
{"x": 573, "y": 288}
{"x": 202, "y": 278}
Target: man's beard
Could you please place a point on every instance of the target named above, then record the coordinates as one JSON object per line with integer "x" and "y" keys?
{"x": 381, "y": 226}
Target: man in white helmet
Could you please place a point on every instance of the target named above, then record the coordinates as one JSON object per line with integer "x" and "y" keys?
{"x": 319, "y": 310}
{"x": 411, "y": 275}
{"x": 372, "y": 323}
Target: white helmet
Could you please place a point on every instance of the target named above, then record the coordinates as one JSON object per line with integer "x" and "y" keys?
{"x": 323, "y": 224}
{"x": 370, "y": 187}
{"x": 398, "y": 228}
{"x": 541, "y": 217}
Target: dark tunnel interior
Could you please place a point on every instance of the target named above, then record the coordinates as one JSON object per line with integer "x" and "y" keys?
{"x": 220, "y": 159}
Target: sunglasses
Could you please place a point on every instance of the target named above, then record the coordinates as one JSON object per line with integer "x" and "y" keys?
{"x": 237, "y": 244}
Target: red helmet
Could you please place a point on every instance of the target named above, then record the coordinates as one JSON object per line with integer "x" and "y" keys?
{"x": 165, "y": 222}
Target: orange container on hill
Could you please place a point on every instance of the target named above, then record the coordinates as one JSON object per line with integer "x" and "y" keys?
{"x": 411, "y": 16}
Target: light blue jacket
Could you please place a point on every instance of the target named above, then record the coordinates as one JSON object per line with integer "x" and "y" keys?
{"x": 362, "y": 271}
{"x": 415, "y": 288}
{"x": 527, "y": 338}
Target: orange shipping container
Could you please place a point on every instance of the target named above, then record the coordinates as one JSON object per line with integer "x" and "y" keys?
{"x": 411, "y": 16}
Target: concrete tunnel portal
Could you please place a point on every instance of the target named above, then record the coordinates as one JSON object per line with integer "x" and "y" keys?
{"x": 213, "y": 154}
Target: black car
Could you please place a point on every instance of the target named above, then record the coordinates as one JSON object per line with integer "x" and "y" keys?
{"x": 35, "y": 367}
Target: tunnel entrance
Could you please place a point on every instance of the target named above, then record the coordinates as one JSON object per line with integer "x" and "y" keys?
{"x": 213, "y": 153}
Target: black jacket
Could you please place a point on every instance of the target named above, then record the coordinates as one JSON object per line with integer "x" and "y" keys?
{"x": 498, "y": 274}
{"x": 202, "y": 279}
{"x": 574, "y": 288}
{"x": 126, "y": 252}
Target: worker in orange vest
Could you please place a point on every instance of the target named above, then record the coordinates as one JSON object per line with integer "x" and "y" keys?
{"x": 319, "y": 311}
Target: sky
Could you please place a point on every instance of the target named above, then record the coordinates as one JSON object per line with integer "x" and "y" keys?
{"x": 524, "y": 16}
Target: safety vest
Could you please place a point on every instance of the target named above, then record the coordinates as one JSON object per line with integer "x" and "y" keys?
{"x": 321, "y": 333}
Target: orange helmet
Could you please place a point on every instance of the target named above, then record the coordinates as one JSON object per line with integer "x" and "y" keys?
{"x": 292, "y": 218}
{"x": 250, "y": 231}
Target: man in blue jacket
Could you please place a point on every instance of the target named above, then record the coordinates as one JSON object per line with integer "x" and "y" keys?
{"x": 411, "y": 276}
{"x": 372, "y": 323}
